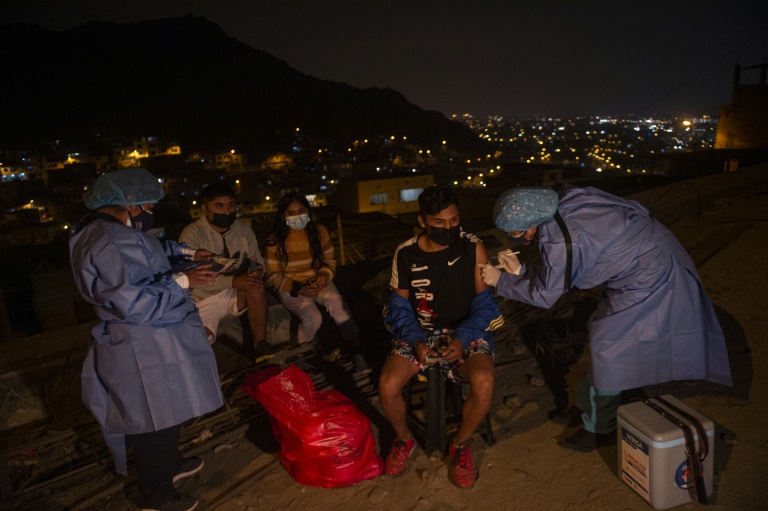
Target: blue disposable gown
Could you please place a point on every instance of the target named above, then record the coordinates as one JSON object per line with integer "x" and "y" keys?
{"x": 655, "y": 322}
{"x": 149, "y": 365}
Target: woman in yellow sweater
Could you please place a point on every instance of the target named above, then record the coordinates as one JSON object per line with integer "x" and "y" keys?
{"x": 301, "y": 265}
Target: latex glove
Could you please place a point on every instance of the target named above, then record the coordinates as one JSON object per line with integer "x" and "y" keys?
{"x": 200, "y": 275}
{"x": 509, "y": 262}
{"x": 490, "y": 274}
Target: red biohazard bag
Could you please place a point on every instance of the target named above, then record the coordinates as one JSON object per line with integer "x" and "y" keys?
{"x": 325, "y": 440}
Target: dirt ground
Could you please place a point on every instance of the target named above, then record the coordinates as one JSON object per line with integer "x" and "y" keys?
{"x": 525, "y": 468}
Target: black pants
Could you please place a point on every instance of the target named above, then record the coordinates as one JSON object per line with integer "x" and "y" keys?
{"x": 157, "y": 458}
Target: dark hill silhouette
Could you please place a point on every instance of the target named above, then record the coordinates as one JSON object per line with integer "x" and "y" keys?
{"x": 184, "y": 78}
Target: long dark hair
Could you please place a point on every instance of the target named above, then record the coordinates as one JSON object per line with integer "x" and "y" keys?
{"x": 280, "y": 230}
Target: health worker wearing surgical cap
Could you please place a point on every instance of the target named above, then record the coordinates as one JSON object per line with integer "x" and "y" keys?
{"x": 149, "y": 366}
{"x": 654, "y": 322}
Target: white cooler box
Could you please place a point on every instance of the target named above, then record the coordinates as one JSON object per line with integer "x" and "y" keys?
{"x": 652, "y": 454}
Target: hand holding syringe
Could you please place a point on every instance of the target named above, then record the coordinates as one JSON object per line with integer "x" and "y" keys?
{"x": 507, "y": 261}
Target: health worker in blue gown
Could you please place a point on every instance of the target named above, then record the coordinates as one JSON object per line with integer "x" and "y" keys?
{"x": 654, "y": 322}
{"x": 149, "y": 366}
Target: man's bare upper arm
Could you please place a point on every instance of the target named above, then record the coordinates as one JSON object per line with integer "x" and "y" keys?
{"x": 481, "y": 258}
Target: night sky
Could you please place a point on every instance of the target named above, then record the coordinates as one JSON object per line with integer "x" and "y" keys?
{"x": 500, "y": 57}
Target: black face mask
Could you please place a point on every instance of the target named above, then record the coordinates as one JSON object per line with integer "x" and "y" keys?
{"x": 443, "y": 236}
{"x": 143, "y": 221}
{"x": 223, "y": 221}
{"x": 520, "y": 240}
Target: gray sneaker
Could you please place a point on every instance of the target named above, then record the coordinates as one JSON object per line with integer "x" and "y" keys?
{"x": 333, "y": 355}
{"x": 178, "y": 502}
{"x": 265, "y": 351}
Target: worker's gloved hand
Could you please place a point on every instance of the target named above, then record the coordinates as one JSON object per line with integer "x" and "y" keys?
{"x": 509, "y": 262}
{"x": 490, "y": 274}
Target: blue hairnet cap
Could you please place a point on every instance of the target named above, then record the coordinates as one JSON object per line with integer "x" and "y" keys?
{"x": 523, "y": 208}
{"x": 124, "y": 187}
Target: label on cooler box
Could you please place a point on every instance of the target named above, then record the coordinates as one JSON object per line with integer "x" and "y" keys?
{"x": 635, "y": 463}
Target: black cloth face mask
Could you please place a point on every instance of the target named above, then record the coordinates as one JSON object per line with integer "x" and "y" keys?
{"x": 223, "y": 221}
{"x": 143, "y": 221}
{"x": 520, "y": 240}
{"x": 443, "y": 236}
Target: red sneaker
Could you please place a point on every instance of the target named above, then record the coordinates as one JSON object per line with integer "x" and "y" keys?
{"x": 462, "y": 473}
{"x": 397, "y": 459}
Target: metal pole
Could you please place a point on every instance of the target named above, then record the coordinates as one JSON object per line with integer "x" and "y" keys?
{"x": 341, "y": 240}
{"x": 435, "y": 410}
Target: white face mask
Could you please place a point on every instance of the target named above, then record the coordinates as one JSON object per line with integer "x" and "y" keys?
{"x": 297, "y": 222}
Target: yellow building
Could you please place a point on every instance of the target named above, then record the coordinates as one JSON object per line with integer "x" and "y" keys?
{"x": 392, "y": 196}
